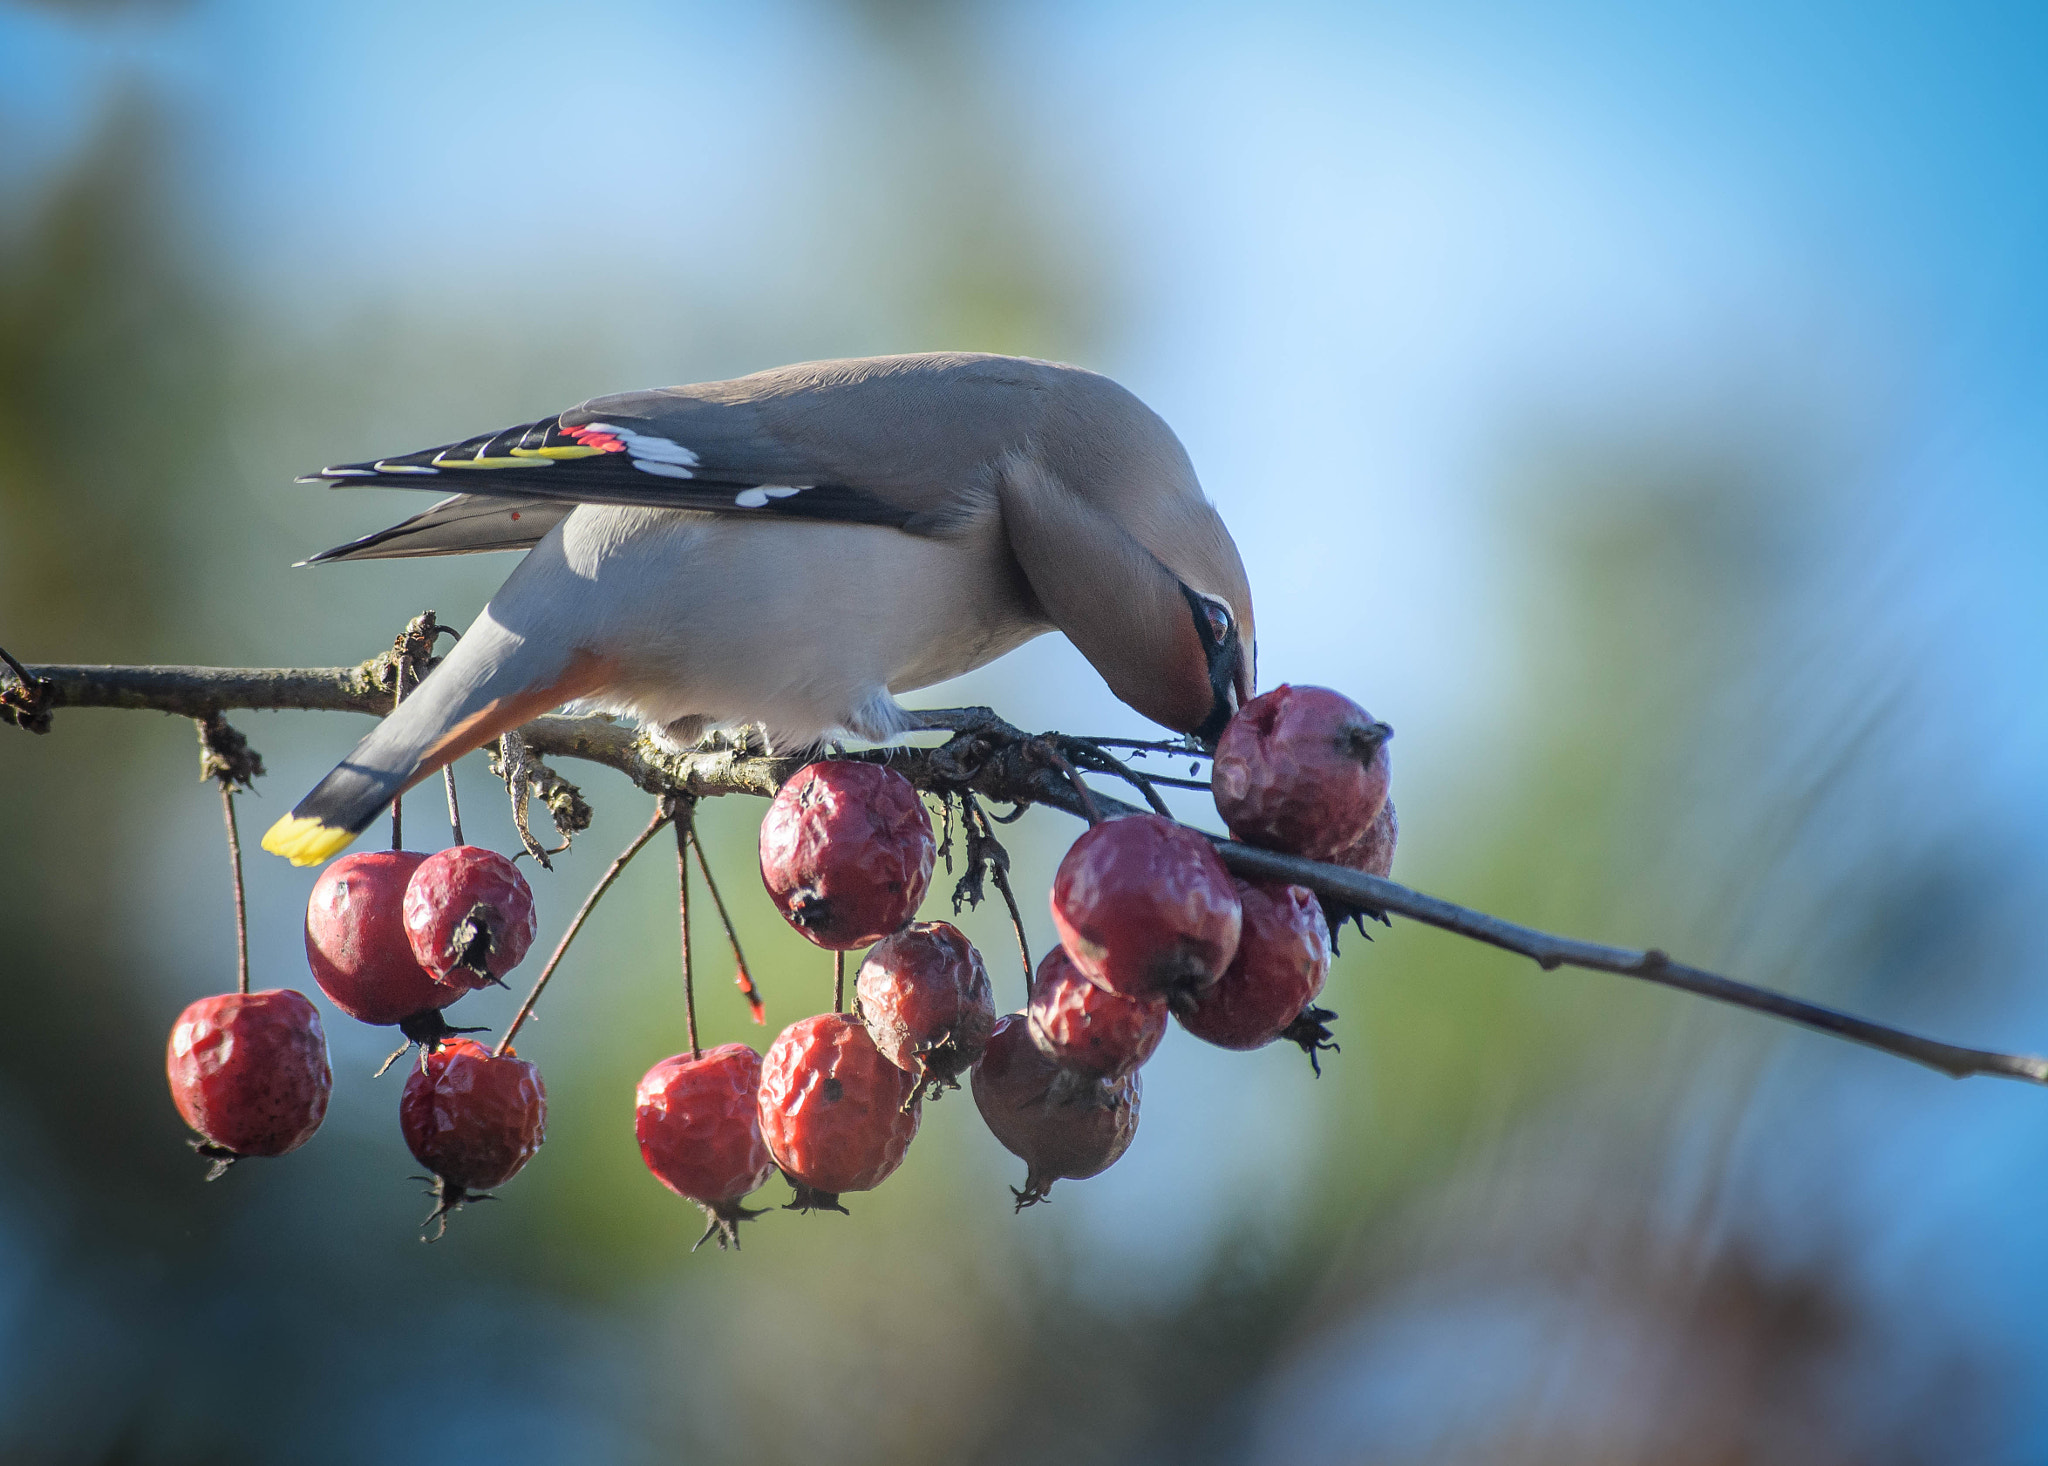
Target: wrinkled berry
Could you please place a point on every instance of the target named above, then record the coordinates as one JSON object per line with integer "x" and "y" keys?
{"x": 846, "y": 852}
{"x": 1301, "y": 769}
{"x": 1089, "y": 1029}
{"x": 1373, "y": 852}
{"x": 1145, "y": 908}
{"x": 473, "y": 1119}
{"x": 356, "y": 942}
{"x": 469, "y": 916}
{"x": 699, "y": 1128}
{"x": 1281, "y": 962}
{"x": 1016, "y": 1088}
{"x": 924, "y": 995}
{"x": 249, "y": 1072}
{"x": 836, "y": 1115}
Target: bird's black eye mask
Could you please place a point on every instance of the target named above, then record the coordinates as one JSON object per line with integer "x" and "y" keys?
{"x": 1217, "y": 628}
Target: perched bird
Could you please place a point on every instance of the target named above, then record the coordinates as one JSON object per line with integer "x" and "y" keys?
{"x": 794, "y": 548}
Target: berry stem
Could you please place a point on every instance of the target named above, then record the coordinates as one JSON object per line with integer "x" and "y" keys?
{"x": 454, "y": 810}
{"x": 227, "y": 806}
{"x": 744, "y": 978}
{"x": 683, "y": 831}
{"x": 971, "y": 811}
{"x": 398, "y": 800}
{"x": 838, "y": 982}
{"x": 604, "y": 883}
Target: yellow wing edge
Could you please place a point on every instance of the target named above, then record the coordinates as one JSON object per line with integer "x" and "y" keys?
{"x": 303, "y": 840}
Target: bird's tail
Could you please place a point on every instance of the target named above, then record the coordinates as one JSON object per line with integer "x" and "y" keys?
{"x": 493, "y": 680}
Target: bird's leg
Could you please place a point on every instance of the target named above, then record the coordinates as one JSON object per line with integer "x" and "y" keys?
{"x": 959, "y": 720}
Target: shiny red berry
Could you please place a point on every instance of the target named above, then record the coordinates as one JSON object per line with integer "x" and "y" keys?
{"x": 699, "y": 1128}
{"x": 1301, "y": 769}
{"x": 472, "y": 1118}
{"x": 1018, "y": 1091}
{"x": 249, "y": 1072}
{"x": 1145, "y": 908}
{"x": 924, "y": 995}
{"x": 836, "y": 1115}
{"x": 1089, "y": 1029}
{"x": 1281, "y": 962}
{"x": 356, "y": 942}
{"x": 846, "y": 852}
{"x": 469, "y": 916}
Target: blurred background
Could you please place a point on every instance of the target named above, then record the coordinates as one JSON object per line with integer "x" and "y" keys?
{"x": 1640, "y": 407}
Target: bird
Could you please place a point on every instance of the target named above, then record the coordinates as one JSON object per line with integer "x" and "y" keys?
{"x": 793, "y": 549}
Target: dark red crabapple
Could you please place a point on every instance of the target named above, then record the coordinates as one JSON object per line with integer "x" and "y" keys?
{"x": 699, "y": 1128}
{"x": 846, "y": 852}
{"x": 836, "y": 1115}
{"x": 1015, "y": 1088}
{"x": 1145, "y": 908}
{"x": 469, "y": 916}
{"x": 1301, "y": 769}
{"x": 357, "y": 947}
{"x": 1373, "y": 852}
{"x": 249, "y": 1072}
{"x": 472, "y": 1118}
{"x": 1281, "y": 962}
{"x": 925, "y": 997}
{"x": 1088, "y": 1029}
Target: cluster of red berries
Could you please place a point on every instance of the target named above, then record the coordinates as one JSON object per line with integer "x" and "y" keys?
{"x": 1151, "y": 925}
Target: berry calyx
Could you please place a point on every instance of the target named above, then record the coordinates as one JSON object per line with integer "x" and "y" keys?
{"x": 356, "y": 943}
{"x": 469, "y": 916}
{"x": 1145, "y": 908}
{"x": 846, "y": 852}
{"x": 1016, "y": 1088}
{"x": 474, "y": 1119}
{"x": 699, "y": 1128}
{"x": 249, "y": 1072}
{"x": 1282, "y": 958}
{"x": 1088, "y": 1029}
{"x": 1301, "y": 769}
{"x": 835, "y": 1114}
{"x": 925, "y": 998}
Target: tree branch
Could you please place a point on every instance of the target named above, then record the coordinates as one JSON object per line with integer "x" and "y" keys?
{"x": 987, "y": 757}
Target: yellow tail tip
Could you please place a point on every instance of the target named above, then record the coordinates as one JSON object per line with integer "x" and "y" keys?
{"x": 304, "y": 841}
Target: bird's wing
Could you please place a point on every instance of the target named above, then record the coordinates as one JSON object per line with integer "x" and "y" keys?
{"x": 462, "y": 525}
{"x": 905, "y": 442}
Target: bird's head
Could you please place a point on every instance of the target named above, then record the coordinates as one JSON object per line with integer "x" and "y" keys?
{"x": 1148, "y": 586}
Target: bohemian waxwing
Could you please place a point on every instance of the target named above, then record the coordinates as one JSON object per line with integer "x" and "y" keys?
{"x": 794, "y": 548}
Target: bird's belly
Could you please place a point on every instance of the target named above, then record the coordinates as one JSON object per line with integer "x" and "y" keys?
{"x": 799, "y": 627}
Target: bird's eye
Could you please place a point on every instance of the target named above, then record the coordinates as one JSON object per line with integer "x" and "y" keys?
{"x": 1219, "y": 620}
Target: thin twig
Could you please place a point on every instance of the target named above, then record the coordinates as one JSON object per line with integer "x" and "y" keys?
{"x": 1112, "y": 765}
{"x": 838, "y": 982}
{"x": 604, "y": 883}
{"x": 1003, "y": 767}
{"x": 743, "y": 979}
{"x": 1549, "y": 952}
{"x": 683, "y": 901}
{"x": 398, "y": 799}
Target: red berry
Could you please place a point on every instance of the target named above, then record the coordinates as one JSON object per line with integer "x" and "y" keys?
{"x": 699, "y": 1128}
{"x": 249, "y": 1072}
{"x": 1089, "y": 1029}
{"x": 1016, "y": 1088}
{"x": 1145, "y": 908}
{"x": 846, "y": 852}
{"x": 1373, "y": 852}
{"x": 469, "y": 916}
{"x": 356, "y": 942}
{"x": 1281, "y": 962}
{"x": 925, "y": 998}
{"x": 1301, "y": 769}
{"x": 472, "y": 1118}
{"x": 837, "y": 1116}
